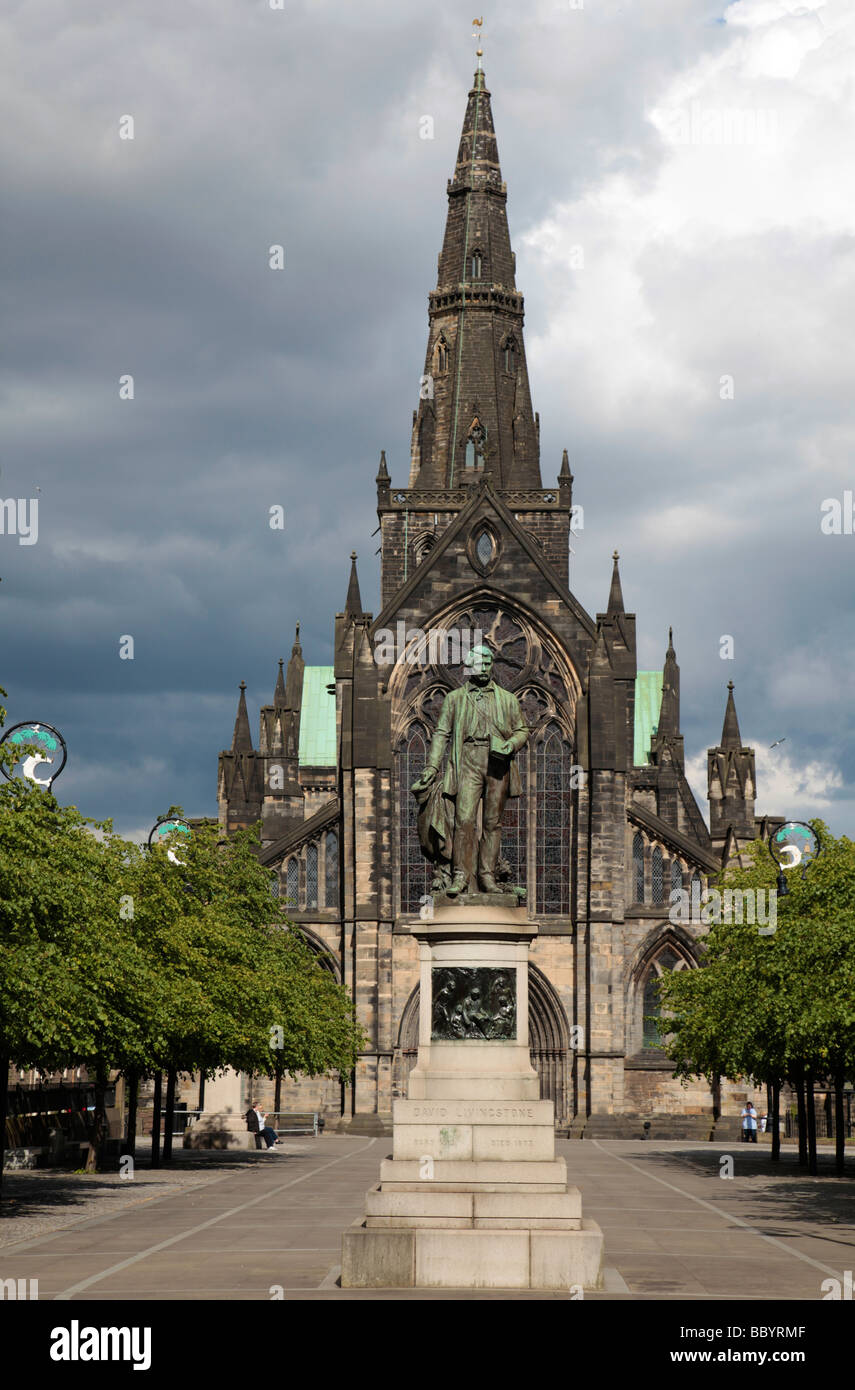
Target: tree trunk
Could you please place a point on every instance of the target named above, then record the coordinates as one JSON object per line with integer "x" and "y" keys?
{"x": 155, "y": 1121}
{"x": 810, "y": 1102}
{"x": 277, "y": 1094}
{"x": 839, "y": 1126}
{"x": 99, "y": 1133}
{"x": 774, "y": 1114}
{"x": 4, "y": 1106}
{"x": 133, "y": 1079}
{"x": 799, "y": 1084}
{"x": 201, "y": 1101}
{"x": 169, "y": 1121}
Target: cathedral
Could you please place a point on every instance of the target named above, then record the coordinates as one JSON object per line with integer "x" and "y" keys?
{"x": 475, "y": 548}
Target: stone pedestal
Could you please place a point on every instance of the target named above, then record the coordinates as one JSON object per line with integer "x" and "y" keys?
{"x": 473, "y": 1195}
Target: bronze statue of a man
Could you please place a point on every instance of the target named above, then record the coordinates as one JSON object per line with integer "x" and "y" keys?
{"x": 483, "y": 727}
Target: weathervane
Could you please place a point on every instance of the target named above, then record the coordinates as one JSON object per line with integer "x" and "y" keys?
{"x": 478, "y": 35}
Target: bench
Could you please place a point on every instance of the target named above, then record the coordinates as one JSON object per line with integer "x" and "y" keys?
{"x": 305, "y": 1122}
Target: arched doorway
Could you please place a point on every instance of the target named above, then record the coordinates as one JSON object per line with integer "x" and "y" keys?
{"x": 548, "y": 1033}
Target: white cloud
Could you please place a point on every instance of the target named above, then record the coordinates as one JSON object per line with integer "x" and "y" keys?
{"x": 786, "y": 786}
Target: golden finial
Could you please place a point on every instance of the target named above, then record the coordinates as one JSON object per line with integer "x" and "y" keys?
{"x": 477, "y": 23}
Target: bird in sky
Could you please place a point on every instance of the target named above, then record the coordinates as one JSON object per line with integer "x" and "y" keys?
{"x": 777, "y": 741}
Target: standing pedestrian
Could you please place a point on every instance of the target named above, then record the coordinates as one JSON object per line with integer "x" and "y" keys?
{"x": 749, "y": 1124}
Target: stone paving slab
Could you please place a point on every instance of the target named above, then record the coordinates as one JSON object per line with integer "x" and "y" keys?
{"x": 218, "y": 1230}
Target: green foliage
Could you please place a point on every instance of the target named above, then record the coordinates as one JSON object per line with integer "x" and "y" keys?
{"x": 771, "y": 1006}
{"x": 111, "y": 955}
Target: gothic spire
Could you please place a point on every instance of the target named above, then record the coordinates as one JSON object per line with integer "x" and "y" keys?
{"x": 615, "y": 604}
{"x": 280, "y": 699}
{"x": 669, "y": 712}
{"x": 730, "y": 735}
{"x": 294, "y": 677}
{"x": 475, "y": 414}
{"x": 353, "y": 605}
{"x": 242, "y": 737}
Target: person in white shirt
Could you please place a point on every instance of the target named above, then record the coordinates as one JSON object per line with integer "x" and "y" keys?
{"x": 267, "y": 1133}
{"x": 749, "y": 1124}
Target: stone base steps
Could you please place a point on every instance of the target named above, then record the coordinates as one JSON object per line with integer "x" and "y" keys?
{"x": 699, "y": 1128}
{"x": 372, "y": 1125}
{"x": 451, "y": 1258}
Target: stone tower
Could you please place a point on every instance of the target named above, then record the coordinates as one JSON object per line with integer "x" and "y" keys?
{"x": 474, "y": 422}
{"x": 731, "y": 787}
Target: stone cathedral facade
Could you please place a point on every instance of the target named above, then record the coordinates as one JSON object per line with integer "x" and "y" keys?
{"x": 607, "y": 825}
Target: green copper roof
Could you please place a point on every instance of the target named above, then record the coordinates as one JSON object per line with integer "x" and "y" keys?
{"x": 317, "y": 719}
{"x": 317, "y": 723}
{"x": 648, "y": 701}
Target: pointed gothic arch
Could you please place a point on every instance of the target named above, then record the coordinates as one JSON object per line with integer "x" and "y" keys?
{"x": 476, "y": 445}
{"x": 638, "y": 867}
{"x": 510, "y": 354}
{"x": 327, "y": 959}
{"x": 422, "y": 544}
{"x": 538, "y": 828}
{"x": 663, "y": 951}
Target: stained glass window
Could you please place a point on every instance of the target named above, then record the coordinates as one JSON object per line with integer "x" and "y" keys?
{"x": 275, "y": 886}
{"x": 331, "y": 872}
{"x": 484, "y": 547}
{"x": 651, "y": 1005}
{"x": 652, "y": 1009}
{"x": 312, "y": 876}
{"x": 515, "y": 827}
{"x": 552, "y": 828}
{"x": 416, "y": 873}
{"x": 657, "y": 875}
{"x": 476, "y": 440}
{"x": 638, "y": 869}
{"x": 292, "y": 883}
{"x": 676, "y": 876}
{"x": 476, "y": 265}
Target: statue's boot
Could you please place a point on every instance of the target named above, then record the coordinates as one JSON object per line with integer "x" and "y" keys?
{"x": 488, "y": 883}
{"x": 458, "y": 884}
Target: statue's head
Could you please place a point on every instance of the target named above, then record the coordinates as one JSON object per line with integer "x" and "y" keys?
{"x": 480, "y": 663}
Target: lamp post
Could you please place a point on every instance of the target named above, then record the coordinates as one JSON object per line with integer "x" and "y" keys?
{"x": 162, "y": 829}
{"x": 159, "y": 836}
{"x": 53, "y": 751}
{"x": 794, "y": 844}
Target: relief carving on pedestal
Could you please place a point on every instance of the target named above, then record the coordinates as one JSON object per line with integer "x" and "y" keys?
{"x": 473, "y": 1003}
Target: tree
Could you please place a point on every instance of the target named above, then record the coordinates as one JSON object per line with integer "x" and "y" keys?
{"x": 117, "y": 958}
{"x": 779, "y": 1006}
{"x": 71, "y": 979}
{"x": 237, "y": 985}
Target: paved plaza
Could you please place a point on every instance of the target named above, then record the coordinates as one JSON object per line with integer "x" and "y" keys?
{"x": 258, "y": 1226}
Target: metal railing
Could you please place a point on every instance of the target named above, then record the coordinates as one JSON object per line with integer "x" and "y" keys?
{"x": 283, "y": 1121}
{"x": 824, "y": 1111}
{"x": 296, "y": 1122}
